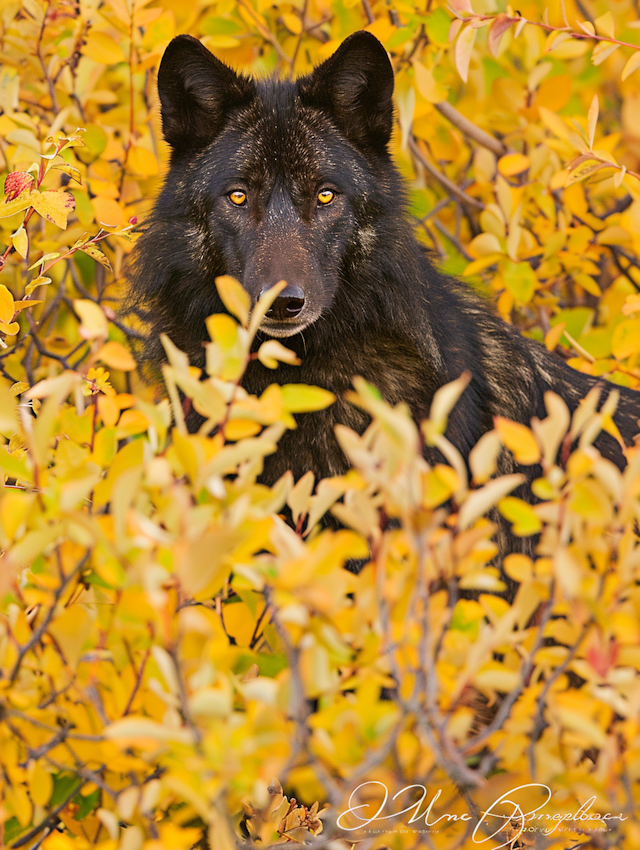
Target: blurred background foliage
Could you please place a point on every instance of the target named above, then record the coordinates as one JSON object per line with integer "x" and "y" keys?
{"x": 168, "y": 645}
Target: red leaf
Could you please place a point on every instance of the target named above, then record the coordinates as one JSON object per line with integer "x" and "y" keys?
{"x": 16, "y": 183}
{"x": 496, "y": 31}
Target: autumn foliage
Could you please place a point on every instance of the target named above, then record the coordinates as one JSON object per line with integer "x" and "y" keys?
{"x": 176, "y": 660}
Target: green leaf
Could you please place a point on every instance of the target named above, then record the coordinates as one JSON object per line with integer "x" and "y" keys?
{"x": 301, "y": 398}
{"x": 523, "y": 518}
{"x": 520, "y": 280}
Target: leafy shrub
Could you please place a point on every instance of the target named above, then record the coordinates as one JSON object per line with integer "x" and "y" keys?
{"x": 171, "y": 650}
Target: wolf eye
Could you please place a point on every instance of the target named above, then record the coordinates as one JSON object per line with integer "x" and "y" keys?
{"x": 238, "y": 197}
{"x": 325, "y": 196}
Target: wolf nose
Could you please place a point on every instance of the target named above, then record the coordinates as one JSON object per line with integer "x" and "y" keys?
{"x": 287, "y": 305}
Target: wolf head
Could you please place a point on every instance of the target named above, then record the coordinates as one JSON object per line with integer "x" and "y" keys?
{"x": 269, "y": 180}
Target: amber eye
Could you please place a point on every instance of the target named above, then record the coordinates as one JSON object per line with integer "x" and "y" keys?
{"x": 325, "y": 196}
{"x": 238, "y": 197}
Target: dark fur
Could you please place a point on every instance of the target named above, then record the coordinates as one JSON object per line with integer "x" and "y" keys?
{"x": 376, "y": 305}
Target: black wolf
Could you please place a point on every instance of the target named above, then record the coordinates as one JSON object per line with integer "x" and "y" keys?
{"x": 275, "y": 179}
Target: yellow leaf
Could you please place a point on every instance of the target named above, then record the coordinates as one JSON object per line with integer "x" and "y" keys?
{"x": 129, "y": 456}
{"x": 605, "y": 25}
{"x": 427, "y": 85}
{"x": 40, "y": 784}
{"x": 221, "y": 42}
{"x": 70, "y": 629}
{"x": 205, "y": 563}
{"x": 570, "y": 49}
{"x": 238, "y": 429}
{"x": 481, "y": 264}
{"x": 478, "y": 502}
{"x": 105, "y": 447}
{"x": 7, "y": 304}
{"x": 497, "y": 677}
{"x": 439, "y": 485}
{"x": 603, "y": 51}
{"x": 484, "y": 455}
{"x": 633, "y": 63}
{"x": 102, "y": 48}
{"x": 587, "y": 283}
{"x": 444, "y": 400}
{"x": 108, "y": 410}
{"x": 116, "y": 356}
{"x": 142, "y": 732}
{"x": 590, "y": 501}
{"x": 272, "y": 352}
{"x": 223, "y": 331}
{"x": 585, "y": 168}
{"x": 522, "y": 517}
{"x": 518, "y": 567}
{"x": 382, "y": 28}
{"x": 96, "y": 254}
{"x": 614, "y": 235}
{"x": 292, "y": 23}
{"x": 519, "y": 440}
{"x": 54, "y": 206}
{"x": 484, "y": 245}
{"x": 234, "y": 297}
{"x": 14, "y": 510}
{"x": 108, "y": 212}
{"x": 590, "y": 732}
{"x": 513, "y": 163}
{"x": 10, "y": 329}
{"x": 142, "y": 161}
{"x": 462, "y": 51}
{"x": 22, "y": 305}
{"x": 38, "y": 281}
{"x": 131, "y": 422}
{"x": 20, "y": 241}
{"x": 10, "y": 208}
{"x": 18, "y": 803}
{"x": 626, "y": 338}
{"x": 93, "y": 322}
{"x": 555, "y": 123}
{"x": 552, "y": 338}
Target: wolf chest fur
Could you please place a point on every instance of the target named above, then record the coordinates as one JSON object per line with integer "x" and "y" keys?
{"x": 279, "y": 179}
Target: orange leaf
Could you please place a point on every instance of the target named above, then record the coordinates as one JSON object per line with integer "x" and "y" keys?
{"x": 7, "y": 305}
{"x": 519, "y": 440}
{"x": 115, "y": 355}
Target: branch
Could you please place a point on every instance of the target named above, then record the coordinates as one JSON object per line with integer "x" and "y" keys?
{"x": 448, "y": 184}
{"x": 50, "y": 819}
{"x": 37, "y": 636}
{"x": 470, "y": 129}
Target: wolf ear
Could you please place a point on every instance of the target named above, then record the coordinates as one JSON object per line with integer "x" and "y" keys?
{"x": 196, "y": 91}
{"x": 355, "y": 85}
